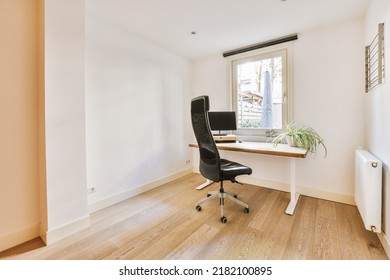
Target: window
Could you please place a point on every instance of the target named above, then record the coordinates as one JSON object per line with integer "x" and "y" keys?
{"x": 260, "y": 89}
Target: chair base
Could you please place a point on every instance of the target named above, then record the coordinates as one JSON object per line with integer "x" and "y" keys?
{"x": 222, "y": 195}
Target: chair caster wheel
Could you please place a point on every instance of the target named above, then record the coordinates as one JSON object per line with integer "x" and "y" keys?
{"x": 235, "y": 196}
{"x": 208, "y": 195}
{"x": 246, "y": 210}
{"x": 198, "y": 208}
{"x": 223, "y": 220}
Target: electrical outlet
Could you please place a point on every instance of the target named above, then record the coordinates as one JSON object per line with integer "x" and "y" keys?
{"x": 188, "y": 161}
{"x": 91, "y": 189}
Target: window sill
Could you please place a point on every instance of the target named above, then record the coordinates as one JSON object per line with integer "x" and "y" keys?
{"x": 254, "y": 138}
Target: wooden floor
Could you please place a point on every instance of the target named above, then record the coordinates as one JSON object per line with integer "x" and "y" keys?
{"x": 163, "y": 224}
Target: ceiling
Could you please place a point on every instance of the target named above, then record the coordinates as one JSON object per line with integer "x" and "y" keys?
{"x": 221, "y": 25}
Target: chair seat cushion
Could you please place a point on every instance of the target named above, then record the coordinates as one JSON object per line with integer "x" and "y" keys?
{"x": 231, "y": 169}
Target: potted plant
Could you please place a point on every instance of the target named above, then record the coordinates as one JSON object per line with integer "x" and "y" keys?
{"x": 301, "y": 136}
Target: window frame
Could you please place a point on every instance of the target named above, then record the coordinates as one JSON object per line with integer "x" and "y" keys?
{"x": 285, "y": 50}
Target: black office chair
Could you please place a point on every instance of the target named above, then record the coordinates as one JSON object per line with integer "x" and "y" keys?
{"x": 211, "y": 165}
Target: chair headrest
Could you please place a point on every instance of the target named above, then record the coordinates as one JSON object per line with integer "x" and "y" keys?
{"x": 200, "y": 103}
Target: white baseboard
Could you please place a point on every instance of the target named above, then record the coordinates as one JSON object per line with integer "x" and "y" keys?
{"x": 385, "y": 243}
{"x": 116, "y": 198}
{"x": 321, "y": 194}
{"x": 15, "y": 238}
{"x": 336, "y": 197}
{"x": 51, "y": 236}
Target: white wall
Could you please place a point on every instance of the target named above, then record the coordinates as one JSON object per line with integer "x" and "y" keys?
{"x": 328, "y": 80}
{"x": 211, "y": 78}
{"x": 138, "y": 117}
{"x": 378, "y": 106}
{"x": 66, "y": 195}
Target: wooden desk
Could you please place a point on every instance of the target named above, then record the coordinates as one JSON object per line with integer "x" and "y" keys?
{"x": 281, "y": 150}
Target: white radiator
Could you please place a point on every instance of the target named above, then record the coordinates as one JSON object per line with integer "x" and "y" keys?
{"x": 368, "y": 189}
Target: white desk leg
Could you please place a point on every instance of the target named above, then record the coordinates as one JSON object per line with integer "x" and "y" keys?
{"x": 208, "y": 182}
{"x": 294, "y": 195}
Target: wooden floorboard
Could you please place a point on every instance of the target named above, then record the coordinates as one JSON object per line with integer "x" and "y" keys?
{"x": 163, "y": 224}
{"x": 301, "y": 239}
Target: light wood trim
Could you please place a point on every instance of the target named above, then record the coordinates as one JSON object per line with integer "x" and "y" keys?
{"x": 17, "y": 237}
{"x": 261, "y": 148}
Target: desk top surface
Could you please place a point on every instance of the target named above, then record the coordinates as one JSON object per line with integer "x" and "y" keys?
{"x": 261, "y": 148}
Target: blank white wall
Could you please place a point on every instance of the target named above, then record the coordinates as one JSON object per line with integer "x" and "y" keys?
{"x": 216, "y": 85}
{"x": 328, "y": 81}
{"x": 137, "y": 105}
{"x": 65, "y": 115}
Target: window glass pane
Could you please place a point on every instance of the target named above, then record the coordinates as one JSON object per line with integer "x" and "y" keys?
{"x": 260, "y": 93}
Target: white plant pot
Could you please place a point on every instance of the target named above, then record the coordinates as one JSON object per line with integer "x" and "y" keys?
{"x": 291, "y": 141}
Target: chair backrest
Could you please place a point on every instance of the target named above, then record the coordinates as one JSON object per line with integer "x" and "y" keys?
{"x": 209, "y": 163}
